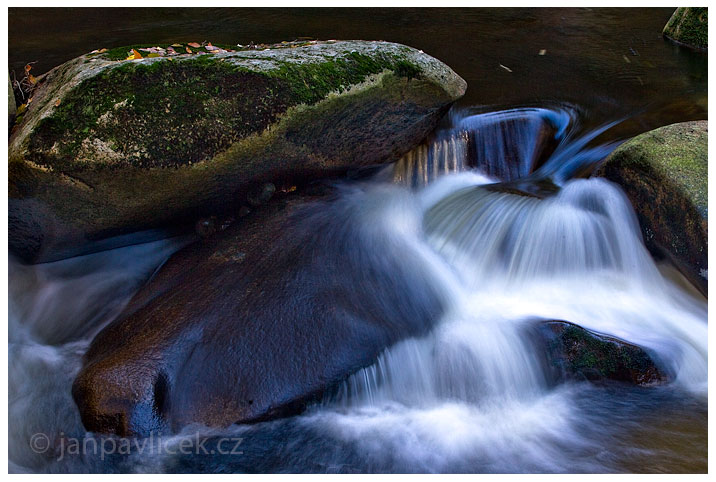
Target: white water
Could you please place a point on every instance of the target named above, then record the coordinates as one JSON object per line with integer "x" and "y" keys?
{"x": 476, "y": 384}
{"x": 472, "y": 395}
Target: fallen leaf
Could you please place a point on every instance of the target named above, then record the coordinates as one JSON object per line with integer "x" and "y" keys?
{"x": 543, "y": 52}
{"x": 21, "y": 109}
{"x": 506, "y": 68}
{"x": 137, "y": 55}
{"x": 188, "y": 50}
{"x": 211, "y": 47}
{"x": 57, "y": 102}
{"x": 32, "y": 79}
{"x": 152, "y": 55}
{"x": 177, "y": 45}
{"x": 101, "y": 51}
{"x": 626, "y": 59}
{"x": 194, "y": 44}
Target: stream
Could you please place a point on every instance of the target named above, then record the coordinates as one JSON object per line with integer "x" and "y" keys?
{"x": 496, "y": 204}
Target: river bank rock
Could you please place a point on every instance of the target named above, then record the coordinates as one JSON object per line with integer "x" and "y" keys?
{"x": 257, "y": 321}
{"x": 110, "y": 146}
{"x": 689, "y": 26}
{"x": 664, "y": 173}
{"x": 11, "y": 104}
{"x": 577, "y": 353}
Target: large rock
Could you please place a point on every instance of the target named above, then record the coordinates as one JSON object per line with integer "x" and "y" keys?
{"x": 260, "y": 319}
{"x": 580, "y": 354}
{"x": 11, "y": 104}
{"x": 664, "y": 173}
{"x": 689, "y": 26}
{"x": 109, "y": 146}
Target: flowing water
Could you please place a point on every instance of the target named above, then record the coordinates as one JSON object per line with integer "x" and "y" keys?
{"x": 498, "y": 204}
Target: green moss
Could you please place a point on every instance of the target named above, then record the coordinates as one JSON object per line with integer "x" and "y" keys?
{"x": 678, "y": 153}
{"x": 312, "y": 82}
{"x": 689, "y": 25}
{"x": 587, "y": 352}
{"x": 403, "y": 68}
{"x": 138, "y": 113}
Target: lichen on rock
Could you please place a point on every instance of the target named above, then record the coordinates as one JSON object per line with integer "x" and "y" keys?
{"x": 164, "y": 139}
{"x": 664, "y": 173}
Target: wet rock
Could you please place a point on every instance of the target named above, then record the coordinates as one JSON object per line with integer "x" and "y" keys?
{"x": 205, "y": 227}
{"x": 109, "y": 146}
{"x": 576, "y": 353}
{"x": 664, "y": 173}
{"x": 11, "y": 105}
{"x": 259, "y": 195}
{"x": 689, "y": 26}
{"x": 258, "y": 320}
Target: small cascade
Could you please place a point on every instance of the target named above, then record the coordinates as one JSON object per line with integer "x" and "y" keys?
{"x": 506, "y": 146}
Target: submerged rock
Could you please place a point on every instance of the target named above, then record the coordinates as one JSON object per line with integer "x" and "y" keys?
{"x": 113, "y": 146}
{"x": 664, "y": 173}
{"x": 581, "y": 354}
{"x": 689, "y": 26}
{"x": 260, "y": 319}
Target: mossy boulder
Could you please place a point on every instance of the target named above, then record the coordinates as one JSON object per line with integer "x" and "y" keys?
{"x": 580, "y": 354}
{"x": 689, "y": 26}
{"x": 111, "y": 146}
{"x": 11, "y": 105}
{"x": 664, "y": 173}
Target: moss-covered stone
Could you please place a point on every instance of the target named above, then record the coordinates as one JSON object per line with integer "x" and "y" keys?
{"x": 689, "y": 26}
{"x": 113, "y": 146}
{"x": 664, "y": 173}
{"x": 582, "y": 354}
{"x": 11, "y": 106}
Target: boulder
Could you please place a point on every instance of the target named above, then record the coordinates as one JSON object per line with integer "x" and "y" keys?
{"x": 112, "y": 144}
{"x": 664, "y": 173}
{"x": 689, "y": 26}
{"x": 260, "y": 319}
{"x": 579, "y": 354}
{"x": 11, "y": 104}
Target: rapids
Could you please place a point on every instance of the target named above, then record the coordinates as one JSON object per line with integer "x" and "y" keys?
{"x": 471, "y": 396}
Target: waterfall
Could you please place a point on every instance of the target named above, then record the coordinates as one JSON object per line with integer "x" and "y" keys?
{"x": 507, "y": 145}
{"x": 576, "y": 256}
{"x": 473, "y": 394}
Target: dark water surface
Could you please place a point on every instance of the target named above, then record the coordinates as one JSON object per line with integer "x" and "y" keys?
{"x": 611, "y": 62}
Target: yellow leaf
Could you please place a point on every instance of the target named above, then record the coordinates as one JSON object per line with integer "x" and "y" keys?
{"x": 21, "y": 109}
{"x": 153, "y": 54}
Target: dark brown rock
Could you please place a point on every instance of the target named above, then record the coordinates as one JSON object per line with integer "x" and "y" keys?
{"x": 256, "y": 321}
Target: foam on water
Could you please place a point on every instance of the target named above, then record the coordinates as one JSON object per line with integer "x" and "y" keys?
{"x": 472, "y": 395}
